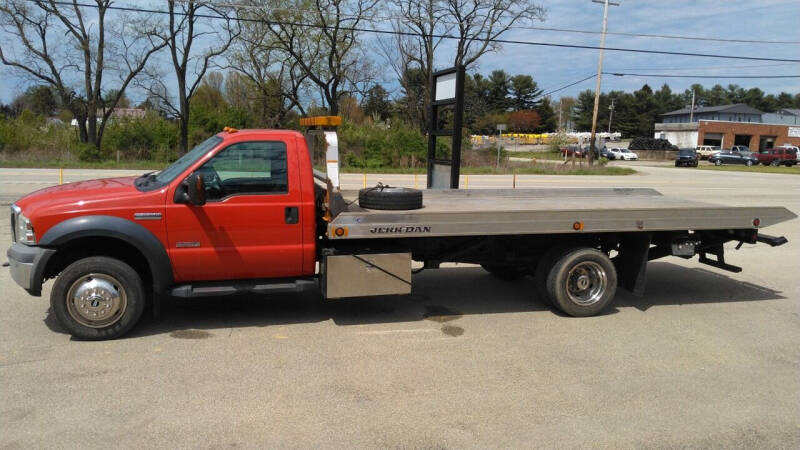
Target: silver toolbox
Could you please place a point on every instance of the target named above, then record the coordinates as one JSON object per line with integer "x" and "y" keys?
{"x": 365, "y": 275}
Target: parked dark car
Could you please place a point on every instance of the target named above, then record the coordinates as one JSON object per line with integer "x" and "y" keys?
{"x": 605, "y": 153}
{"x": 777, "y": 156}
{"x": 729, "y": 157}
{"x": 687, "y": 157}
{"x": 573, "y": 149}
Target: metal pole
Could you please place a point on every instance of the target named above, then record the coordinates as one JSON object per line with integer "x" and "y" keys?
{"x": 691, "y": 110}
{"x": 599, "y": 77}
{"x": 611, "y": 117}
{"x": 500, "y": 137}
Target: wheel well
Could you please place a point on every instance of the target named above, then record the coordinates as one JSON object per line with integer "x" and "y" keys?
{"x": 80, "y": 248}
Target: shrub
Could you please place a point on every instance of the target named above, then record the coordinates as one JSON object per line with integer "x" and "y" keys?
{"x": 645, "y": 143}
{"x": 146, "y": 138}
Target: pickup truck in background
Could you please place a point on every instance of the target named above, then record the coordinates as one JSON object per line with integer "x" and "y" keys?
{"x": 777, "y": 156}
{"x": 246, "y": 212}
{"x": 706, "y": 151}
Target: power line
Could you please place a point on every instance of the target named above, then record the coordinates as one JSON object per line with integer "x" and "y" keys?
{"x": 657, "y": 75}
{"x": 441, "y": 36}
{"x": 524, "y": 27}
{"x": 545, "y": 94}
{"x": 726, "y": 67}
{"x": 553, "y": 91}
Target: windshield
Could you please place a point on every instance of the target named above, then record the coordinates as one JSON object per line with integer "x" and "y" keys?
{"x": 686, "y": 152}
{"x": 176, "y": 168}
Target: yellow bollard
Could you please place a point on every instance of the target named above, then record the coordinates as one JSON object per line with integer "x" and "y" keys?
{"x": 60, "y": 176}
{"x": 466, "y": 183}
{"x": 514, "y": 181}
{"x": 415, "y": 181}
{"x": 365, "y": 180}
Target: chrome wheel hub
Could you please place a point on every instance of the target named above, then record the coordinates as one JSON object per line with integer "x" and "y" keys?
{"x": 586, "y": 283}
{"x": 96, "y": 300}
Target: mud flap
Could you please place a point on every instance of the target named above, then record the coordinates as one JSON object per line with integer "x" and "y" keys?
{"x": 631, "y": 262}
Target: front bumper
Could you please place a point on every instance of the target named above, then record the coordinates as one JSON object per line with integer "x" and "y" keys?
{"x": 27, "y": 264}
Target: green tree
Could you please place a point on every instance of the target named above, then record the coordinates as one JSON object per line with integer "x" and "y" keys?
{"x": 524, "y": 92}
{"x": 549, "y": 119}
{"x": 376, "y": 102}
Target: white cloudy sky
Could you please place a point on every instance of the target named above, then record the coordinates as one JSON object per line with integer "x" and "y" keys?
{"x": 555, "y": 67}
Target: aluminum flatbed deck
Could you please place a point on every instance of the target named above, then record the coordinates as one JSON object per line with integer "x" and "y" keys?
{"x": 546, "y": 211}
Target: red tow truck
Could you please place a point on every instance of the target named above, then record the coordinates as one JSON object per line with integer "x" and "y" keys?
{"x": 245, "y": 212}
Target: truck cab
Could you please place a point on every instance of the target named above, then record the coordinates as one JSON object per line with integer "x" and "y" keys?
{"x": 240, "y": 205}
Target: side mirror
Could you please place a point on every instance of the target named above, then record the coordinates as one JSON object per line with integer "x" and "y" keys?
{"x": 192, "y": 191}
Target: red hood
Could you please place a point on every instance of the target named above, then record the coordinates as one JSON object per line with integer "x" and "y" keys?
{"x": 113, "y": 196}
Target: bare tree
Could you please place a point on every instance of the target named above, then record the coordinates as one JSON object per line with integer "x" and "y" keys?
{"x": 479, "y": 22}
{"x": 277, "y": 77}
{"x": 474, "y": 23}
{"x": 192, "y": 46}
{"x": 321, "y": 40}
{"x": 408, "y": 53}
{"x": 66, "y": 46}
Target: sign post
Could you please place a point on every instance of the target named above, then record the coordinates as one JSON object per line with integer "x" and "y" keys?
{"x": 447, "y": 90}
{"x": 500, "y": 128}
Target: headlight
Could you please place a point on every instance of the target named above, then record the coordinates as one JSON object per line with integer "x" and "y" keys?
{"x": 23, "y": 230}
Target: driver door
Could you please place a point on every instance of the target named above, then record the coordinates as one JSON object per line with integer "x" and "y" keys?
{"x": 250, "y": 225}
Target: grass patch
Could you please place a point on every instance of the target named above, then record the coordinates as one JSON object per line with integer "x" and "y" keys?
{"x": 794, "y": 170}
{"x": 550, "y": 170}
{"x": 537, "y": 155}
{"x": 544, "y": 169}
{"x": 77, "y": 164}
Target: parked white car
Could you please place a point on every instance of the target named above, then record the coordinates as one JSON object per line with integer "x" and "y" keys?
{"x": 627, "y": 155}
{"x": 615, "y": 152}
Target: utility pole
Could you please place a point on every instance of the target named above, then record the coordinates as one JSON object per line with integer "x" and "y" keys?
{"x": 599, "y": 75}
{"x": 611, "y": 117}
{"x": 691, "y": 110}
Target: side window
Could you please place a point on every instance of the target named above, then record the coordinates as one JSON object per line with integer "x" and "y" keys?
{"x": 246, "y": 168}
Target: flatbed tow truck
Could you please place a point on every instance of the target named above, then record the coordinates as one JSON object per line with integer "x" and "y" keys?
{"x": 246, "y": 212}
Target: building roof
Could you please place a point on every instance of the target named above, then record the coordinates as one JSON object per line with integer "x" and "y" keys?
{"x": 792, "y": 111}
{"x": 739, "y": 108}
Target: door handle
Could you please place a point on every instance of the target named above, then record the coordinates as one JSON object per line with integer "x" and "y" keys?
{"x": 292, "y": 215}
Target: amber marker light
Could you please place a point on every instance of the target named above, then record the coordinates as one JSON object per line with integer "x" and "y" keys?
{"x": 339, "y": 232}
{"x": 577, "y": 226}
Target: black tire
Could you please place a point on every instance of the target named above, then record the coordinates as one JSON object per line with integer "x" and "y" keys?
{"x": 505, "y": 272}
{"x": 543, "y": 267}
{"x": 582, "y": 282}
{"x": 748, "y": 163}
{"x": 677, "y": 164}
{"x": 116, "y": 274}
{"x": 390, "y": 198}
{"x": 718, "y": 162}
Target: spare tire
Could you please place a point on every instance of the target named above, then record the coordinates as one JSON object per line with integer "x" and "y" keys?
{"x": 392, "y": 198}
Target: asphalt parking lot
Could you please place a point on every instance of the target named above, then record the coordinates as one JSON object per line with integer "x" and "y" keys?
{"x": 706, "y": 359}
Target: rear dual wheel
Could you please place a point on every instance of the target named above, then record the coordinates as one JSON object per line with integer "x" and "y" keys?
{"x": 579, "y": 281}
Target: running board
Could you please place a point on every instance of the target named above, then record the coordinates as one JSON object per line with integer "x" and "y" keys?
{"x": 216, "y": 289}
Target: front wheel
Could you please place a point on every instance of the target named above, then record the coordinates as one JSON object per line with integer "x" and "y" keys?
{"x": 581, "y": 282}
{"x": 748, "y": 163}
{"x": 98, "y": 298}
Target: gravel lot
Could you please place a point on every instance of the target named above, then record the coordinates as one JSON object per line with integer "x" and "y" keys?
{"x": 706, "y": 359}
